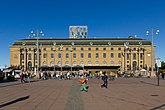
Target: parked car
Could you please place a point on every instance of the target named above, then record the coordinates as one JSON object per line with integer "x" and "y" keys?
{"x": 17, "y": 76}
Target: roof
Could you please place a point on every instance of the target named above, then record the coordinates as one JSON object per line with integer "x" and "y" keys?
{"x": 83, "y": 41}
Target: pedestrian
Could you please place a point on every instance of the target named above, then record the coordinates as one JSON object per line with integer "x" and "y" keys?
{"x": 28, "y": 77}
{"x": 22, "y": 77}
{"x": 105, "y": 80}
{"x": 163, "y": 75}
{"x": 83, "y": 84}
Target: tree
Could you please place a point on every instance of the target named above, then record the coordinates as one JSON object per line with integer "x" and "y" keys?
{"x": 162, "y": 65}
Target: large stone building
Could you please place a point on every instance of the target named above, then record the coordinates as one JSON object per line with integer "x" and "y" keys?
{"x": 94, "y": 54}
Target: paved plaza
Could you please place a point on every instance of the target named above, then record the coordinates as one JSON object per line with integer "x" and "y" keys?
{"x": 121, "y": 94}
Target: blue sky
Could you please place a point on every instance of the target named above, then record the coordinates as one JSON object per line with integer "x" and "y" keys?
{"x": 104, "y": 18}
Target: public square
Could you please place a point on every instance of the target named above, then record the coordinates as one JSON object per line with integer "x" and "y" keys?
{"x": 121, "y": 94}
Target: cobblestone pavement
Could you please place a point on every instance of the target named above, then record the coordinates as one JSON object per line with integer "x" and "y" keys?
{"x": 121, "y": 94}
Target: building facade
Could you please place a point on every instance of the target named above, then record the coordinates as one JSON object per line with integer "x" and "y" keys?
{"x": 78, "y": 31}
{"x": 127, "y": 54}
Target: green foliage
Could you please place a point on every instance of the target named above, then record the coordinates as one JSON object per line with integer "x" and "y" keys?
{"x": 162, "y": 65}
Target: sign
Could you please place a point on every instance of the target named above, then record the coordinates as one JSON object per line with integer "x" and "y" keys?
{"x": 158, "y": 62}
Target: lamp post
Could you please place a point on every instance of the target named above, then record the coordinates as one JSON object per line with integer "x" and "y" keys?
{"x": 71, "y": 58}
{"x": 37, "y": 35}
{"x": 125, "y": 54}
{"x": 61, "y": 49}
{"x": 54, "y": 44}
{"x": 71, "y": 50}
{"x": 152, "y": 32}
{"x": 157, "y": 65}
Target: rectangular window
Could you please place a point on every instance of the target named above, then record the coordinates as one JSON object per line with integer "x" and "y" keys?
{"x": 74, "y": 48}
{"x": 44, "y": 55}
{"x": 128, "y": 56}
{"x": 141, "y": 56}
{"x": 112, "y": 55}
{"x": 74, "y": 55}
{"x": 82, "y": 49}
{"x": 22, "y": 56}
{"x": 52, "y": 55}
{"x": 104, "y": 55}
{"x": 82, "y": 55}
{"x": 134, "y": 56}
{"x": 59, "y": 55}
{"x": 35, "y": 55}
{"x": 67, "y": 49}
{"x": 67, "y": 55}
{"x": 89, "y": 49}
{"x": 97, "y": 55}
{"x": 97, "y": 49}
{"x": 119, "y": 55}
{"x": 119, "y": 48}
{"x": 104, "y": 49}
{"x": 89, "y": 55}
{"x": 112, "y": 48}
{"x": 29, "y": 56}
{"x": 29, "y": 49}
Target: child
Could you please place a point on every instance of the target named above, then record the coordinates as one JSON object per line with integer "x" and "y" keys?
{"x": 83, "y": 84}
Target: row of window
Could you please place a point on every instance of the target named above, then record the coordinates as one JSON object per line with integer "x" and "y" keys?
{"x": 82, "y": 49}
{"x": 82, "y": 63}
{"x": 82, "y": 55}
{"x": 67, "y": 49}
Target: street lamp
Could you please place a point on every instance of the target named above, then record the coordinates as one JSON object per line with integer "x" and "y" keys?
{"x": 61, "y": 49}
{"x": 37, "y": 35}
{"x": 125, "y": 54}
{"x": 152, "y": 32}
{"x": 157, "y": 65}
{"x": 54, "y": 56}
{"x": 71, "y": 50}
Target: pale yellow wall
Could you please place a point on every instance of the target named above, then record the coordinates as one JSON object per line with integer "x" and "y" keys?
{"x": 15, "y": 55}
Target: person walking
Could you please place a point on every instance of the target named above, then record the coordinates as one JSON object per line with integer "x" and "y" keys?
{"x": 163, "y": 73}
{"x": 83, "y": 84}
{"x": 105, "y": 80}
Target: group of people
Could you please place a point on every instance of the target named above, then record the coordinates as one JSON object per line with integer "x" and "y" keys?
{"x": 25, "y": 77}
{"x": 84, "y": 78}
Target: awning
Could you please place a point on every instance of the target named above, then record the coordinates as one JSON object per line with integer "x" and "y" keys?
{"x": 143, "y": 70}
{"x": 7, "y": 70}
{"x": 18, "y": 71}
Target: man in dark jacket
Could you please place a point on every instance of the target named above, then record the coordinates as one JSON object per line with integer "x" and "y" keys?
{"x": 105, "y": 79}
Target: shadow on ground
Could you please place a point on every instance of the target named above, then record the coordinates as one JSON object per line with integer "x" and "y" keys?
{"x": 158, "y": 107}
{"x": 14, "y": 101}
{"x": 148, "y": 83}
{"x": 6, "y": 81}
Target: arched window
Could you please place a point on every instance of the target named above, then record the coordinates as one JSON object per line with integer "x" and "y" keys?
{"x": 104, "y": 63}
{"x": 82, "y": 63}
{"x": 134, "y": 65}
{"x": 112, "y": 63}
{"x": 119, "y": 63}
{"x": 44, "y": 63}
{"x": 52, "y": 63}
{"x": 59, "y": 63}
{"x": 96, "y": 63}
{"x": 89, "y": 63}
{"x": 66, "y": 63}
{"x": 29, "y": 65}
{"x": 74, "y": 63}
